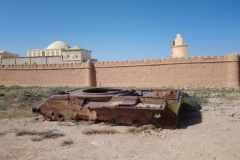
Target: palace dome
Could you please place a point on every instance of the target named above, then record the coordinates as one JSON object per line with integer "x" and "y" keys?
{"x": 58, "y": 45}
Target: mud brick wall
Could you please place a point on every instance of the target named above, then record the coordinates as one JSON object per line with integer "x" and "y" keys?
{"x": 43, "y": 75}
{"x": 206, "y": 71}
{"x": 209, "y": 71}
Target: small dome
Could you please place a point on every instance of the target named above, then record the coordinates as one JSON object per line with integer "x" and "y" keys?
{"x": 76, "y": 47}
{"x": 58, "y": 45}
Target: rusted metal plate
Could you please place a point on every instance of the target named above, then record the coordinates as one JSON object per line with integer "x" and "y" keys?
{"x": 157, "y": 107}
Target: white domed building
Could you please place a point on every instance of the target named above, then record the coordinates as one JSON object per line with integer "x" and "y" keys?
{"x": 61, "y": 49}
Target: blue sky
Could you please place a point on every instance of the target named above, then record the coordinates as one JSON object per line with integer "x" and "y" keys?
{"x": 122, "y": 29}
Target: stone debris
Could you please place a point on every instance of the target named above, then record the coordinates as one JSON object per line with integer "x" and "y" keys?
{"x": 147, "y": 127}
{"x": 94, "y": 143}
{"x": 208, "y": 107}
{"x": 237, "y": 115}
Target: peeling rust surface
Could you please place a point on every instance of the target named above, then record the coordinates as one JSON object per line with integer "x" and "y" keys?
{"x": 121, "y": 106}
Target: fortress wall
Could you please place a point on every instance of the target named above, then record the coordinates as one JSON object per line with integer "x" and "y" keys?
{"x": 43, "y": 75}
{"x": 206, "y": 71}
{"x": 214, "y": 71}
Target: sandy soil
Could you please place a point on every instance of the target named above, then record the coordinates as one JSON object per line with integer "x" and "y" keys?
{"x": 213, "y": 133}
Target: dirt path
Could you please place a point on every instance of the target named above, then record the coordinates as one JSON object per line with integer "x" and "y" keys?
{"x": 212, "y": 133}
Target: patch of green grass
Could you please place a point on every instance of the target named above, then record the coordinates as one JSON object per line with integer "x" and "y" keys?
{"x": 4, "y": 89}
{"x": 103, "y": 131}
{"x": 212, "y": 92}
{"x": 201, "y": 100}
{"x": 66, "y": 142}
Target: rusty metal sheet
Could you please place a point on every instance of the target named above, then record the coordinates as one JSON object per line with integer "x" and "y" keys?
{"x": 168, "y": 94}
{"x": 129, "y": 101}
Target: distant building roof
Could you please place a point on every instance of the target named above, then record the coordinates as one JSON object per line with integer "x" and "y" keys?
{"x": 3, "y": 51}
{"x": 76, "y": 47}
{"x": 58, "y": 45}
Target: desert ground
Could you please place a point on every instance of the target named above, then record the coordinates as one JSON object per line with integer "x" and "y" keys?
{"x": 212, "y": 133}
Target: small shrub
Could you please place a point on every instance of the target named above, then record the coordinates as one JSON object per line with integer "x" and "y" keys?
{"x": 66, "y": 142}
{"x": 2, "y": 94}
{"x": 36, "y": 139}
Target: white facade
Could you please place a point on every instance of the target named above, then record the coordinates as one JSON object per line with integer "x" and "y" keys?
{"x": 179, "y": 49}
{"x": 60, "y": 48}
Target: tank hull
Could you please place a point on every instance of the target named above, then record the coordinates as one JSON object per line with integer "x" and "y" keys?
{"x": 121, "y": 106}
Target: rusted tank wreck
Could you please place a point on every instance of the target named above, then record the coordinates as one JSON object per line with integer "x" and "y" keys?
{"x": 123, "y": 106}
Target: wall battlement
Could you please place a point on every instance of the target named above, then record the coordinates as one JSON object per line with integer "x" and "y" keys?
{"x": 44, "y": 66}
{"x": 170, "y": 61}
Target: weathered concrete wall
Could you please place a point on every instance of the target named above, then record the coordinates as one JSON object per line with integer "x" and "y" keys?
{"x": 9, "y": 61}
{"x": 54, "y": 60}
{"x": 31, "y": 60}
{"x": 214, "y": 71}
{"x": 20, "y": 61}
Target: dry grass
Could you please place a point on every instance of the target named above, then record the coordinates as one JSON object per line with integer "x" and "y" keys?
{"x": 24, "y": 132}
{"x": 43, "y": 135}
{"x": 17, "y": 101}
{"x": 15, "y": 113}
{"x": 36, "y": 139}
{"x": 134, "y": 130}
{"x": 102, "y": 131}
{"x": 83, "y": 122}
{"x": 65, "y": 124}
{"x": 66, "y": 142}
{"x": 3, "y": 133}
{"x": 50, "y": 135}
{"x": 143, "y": 128}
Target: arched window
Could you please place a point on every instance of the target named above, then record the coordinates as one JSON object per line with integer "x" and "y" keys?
{"x": 43, "y": 53}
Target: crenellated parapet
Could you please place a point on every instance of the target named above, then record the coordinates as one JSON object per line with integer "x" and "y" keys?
{"x": 164, "y": 61}
{"x": 45, "y": 66}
